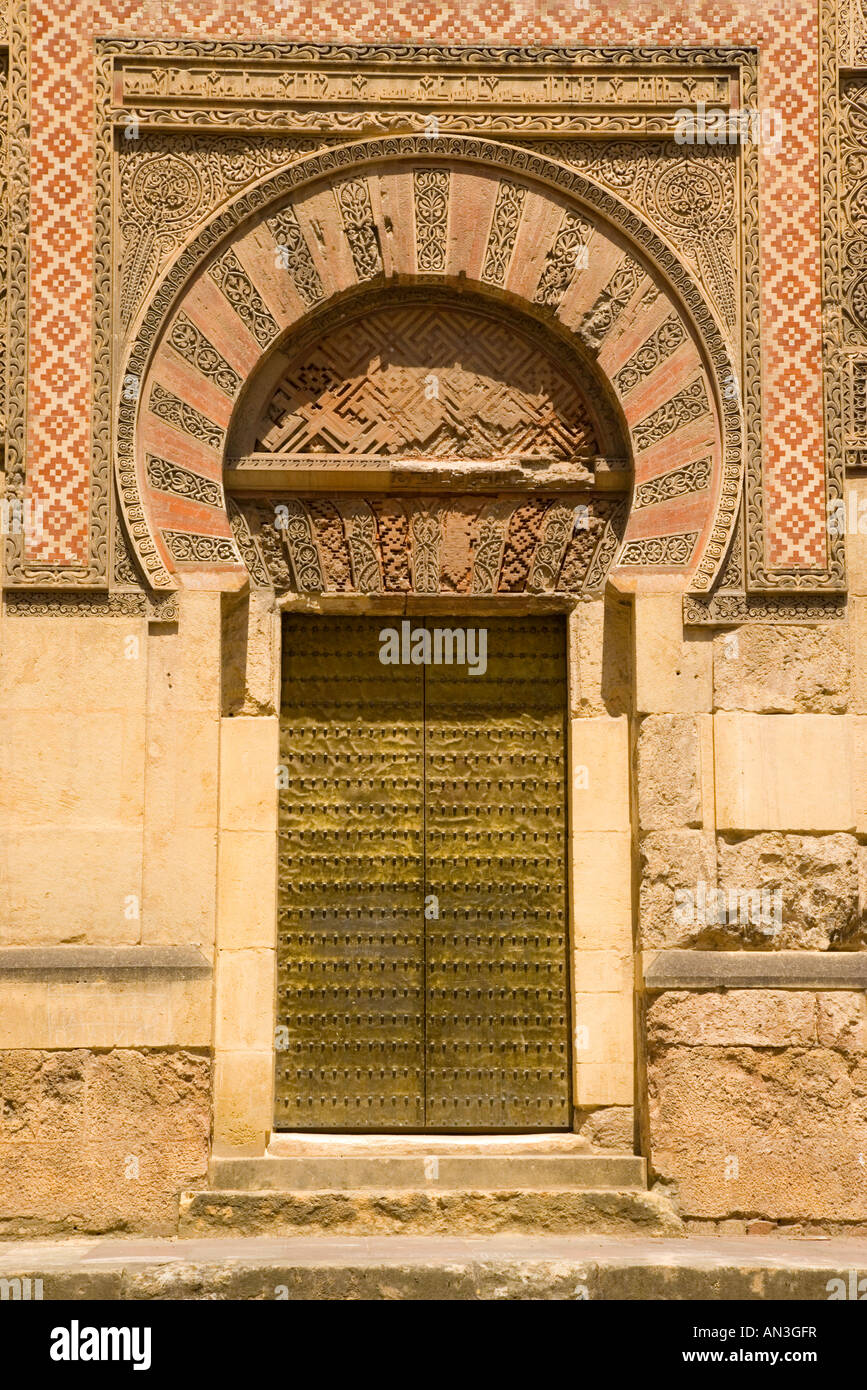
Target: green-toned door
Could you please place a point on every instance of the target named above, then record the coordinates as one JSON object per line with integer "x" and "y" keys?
{"x": 422, "y": 953}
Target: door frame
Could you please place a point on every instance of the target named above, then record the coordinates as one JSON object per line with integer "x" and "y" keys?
{"x": 598, "y": 880}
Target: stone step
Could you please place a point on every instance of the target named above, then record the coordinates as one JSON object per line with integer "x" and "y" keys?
{"x": 434, "y": 1172}
{"x": 407, "y": 1211}
{"x": 512, "y": 1267}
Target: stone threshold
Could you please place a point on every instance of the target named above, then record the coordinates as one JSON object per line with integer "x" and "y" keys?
{"x": 102, "y": 960}
{"x": 754, "y": 970}
{"x": 304, "y": 1144}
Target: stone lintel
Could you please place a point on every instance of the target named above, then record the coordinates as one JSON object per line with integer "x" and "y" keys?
{"x": 665, "y": 970}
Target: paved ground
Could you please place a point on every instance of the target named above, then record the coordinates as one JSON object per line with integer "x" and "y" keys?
{"x": 406, "y": 1267}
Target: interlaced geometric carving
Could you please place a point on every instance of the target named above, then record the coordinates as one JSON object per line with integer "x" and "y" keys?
{"x": 430, "y": 382}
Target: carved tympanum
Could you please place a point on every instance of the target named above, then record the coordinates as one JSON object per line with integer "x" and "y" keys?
{"x": 427, "y": 381}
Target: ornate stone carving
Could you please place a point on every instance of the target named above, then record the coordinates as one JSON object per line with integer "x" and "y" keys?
{"x": 360, "y": 524}
{"x": 731, "y": 610}
{"x": 666, "y": 339}
{"x": 169, "y": 407}
{"x": 353, "y": 200}
{"x": 437, "y": 77}
{"x": 427, "y": 381}
{"x": 267, "y": 192}
{"x": 660, "y": 550}
{"x": 425, "y": 529}
{"x": 689, "y": 404}
{"x": 289, "y": 237}
{"x": 472, "y": 65}
{"x": 548, "y": 558}
{"x": 400, "y": 545}
{"x": 189, "y": 548}
{"x": 297, "y": 533}
{"x": 504, "y": 228}
{"x": 191, "y": 344}
{"x": 231, "y": 277}
{"x": 80, "y": 605}
{"x": 613, "y": 514}
{"x": 248, "y": 548}
{"x": 488, "y": 558}
{"x": 562, "y": 260}
{"x": 677, "y": 482}
{"x": 182, "y": 482}
{"x": 123, "y": 569}
{"x": 431, "y": 201}
{"x": 610, "y": 303}
{"x": 691, "y": 198}
{"x": 203, "y": 169}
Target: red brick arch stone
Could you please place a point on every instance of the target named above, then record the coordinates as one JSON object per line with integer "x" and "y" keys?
{"x": 458, "y": 212}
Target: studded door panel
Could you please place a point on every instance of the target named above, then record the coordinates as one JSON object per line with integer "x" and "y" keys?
{"x": 422, "y": 910}
{"x": 350, "y": 961}
{"x": 497, "y": 996}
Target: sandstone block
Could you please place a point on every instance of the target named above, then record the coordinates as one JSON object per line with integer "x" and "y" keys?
{"x": 668, "y": 772}
{"x": 673, "y": 863}
{"x": 249, "y": 756}
{"x": 786, "y": 669}
{"x": 673, "y": 672}
{"x": 601, "y": 889}
{"x": 738, "y": 1017}
{"x": 70, "y": 885}
{"x": 599, "y": 769}
{"x": 600, "y": 643}
{"x": 783, "y": 772}
{"x": 817, "y": 876}
{"x": 247, "y": 891}
{"x": 243, "y": 1101}
{"x": 775, "y": 1133}
{"x": 246, "y": 992}
{"x": 610, "y": 1127}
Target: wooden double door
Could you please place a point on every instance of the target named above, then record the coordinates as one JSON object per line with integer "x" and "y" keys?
{"x": 422, "y": 957}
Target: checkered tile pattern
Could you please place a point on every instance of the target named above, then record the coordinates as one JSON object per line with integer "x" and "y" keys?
{"x": 62, "y": 177}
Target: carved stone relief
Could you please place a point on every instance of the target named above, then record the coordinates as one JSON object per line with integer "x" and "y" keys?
{"x": 690, "y": 194}
{"x": 169, "y": 181}
{"x": 427, "y": 381}
{"x": 471, "y": 545}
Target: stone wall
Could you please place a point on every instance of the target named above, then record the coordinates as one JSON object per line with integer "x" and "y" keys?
{"x": 758, "y": 1107}
{"x": 94, "y": 1141}
{"x": 749, "y": 780}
